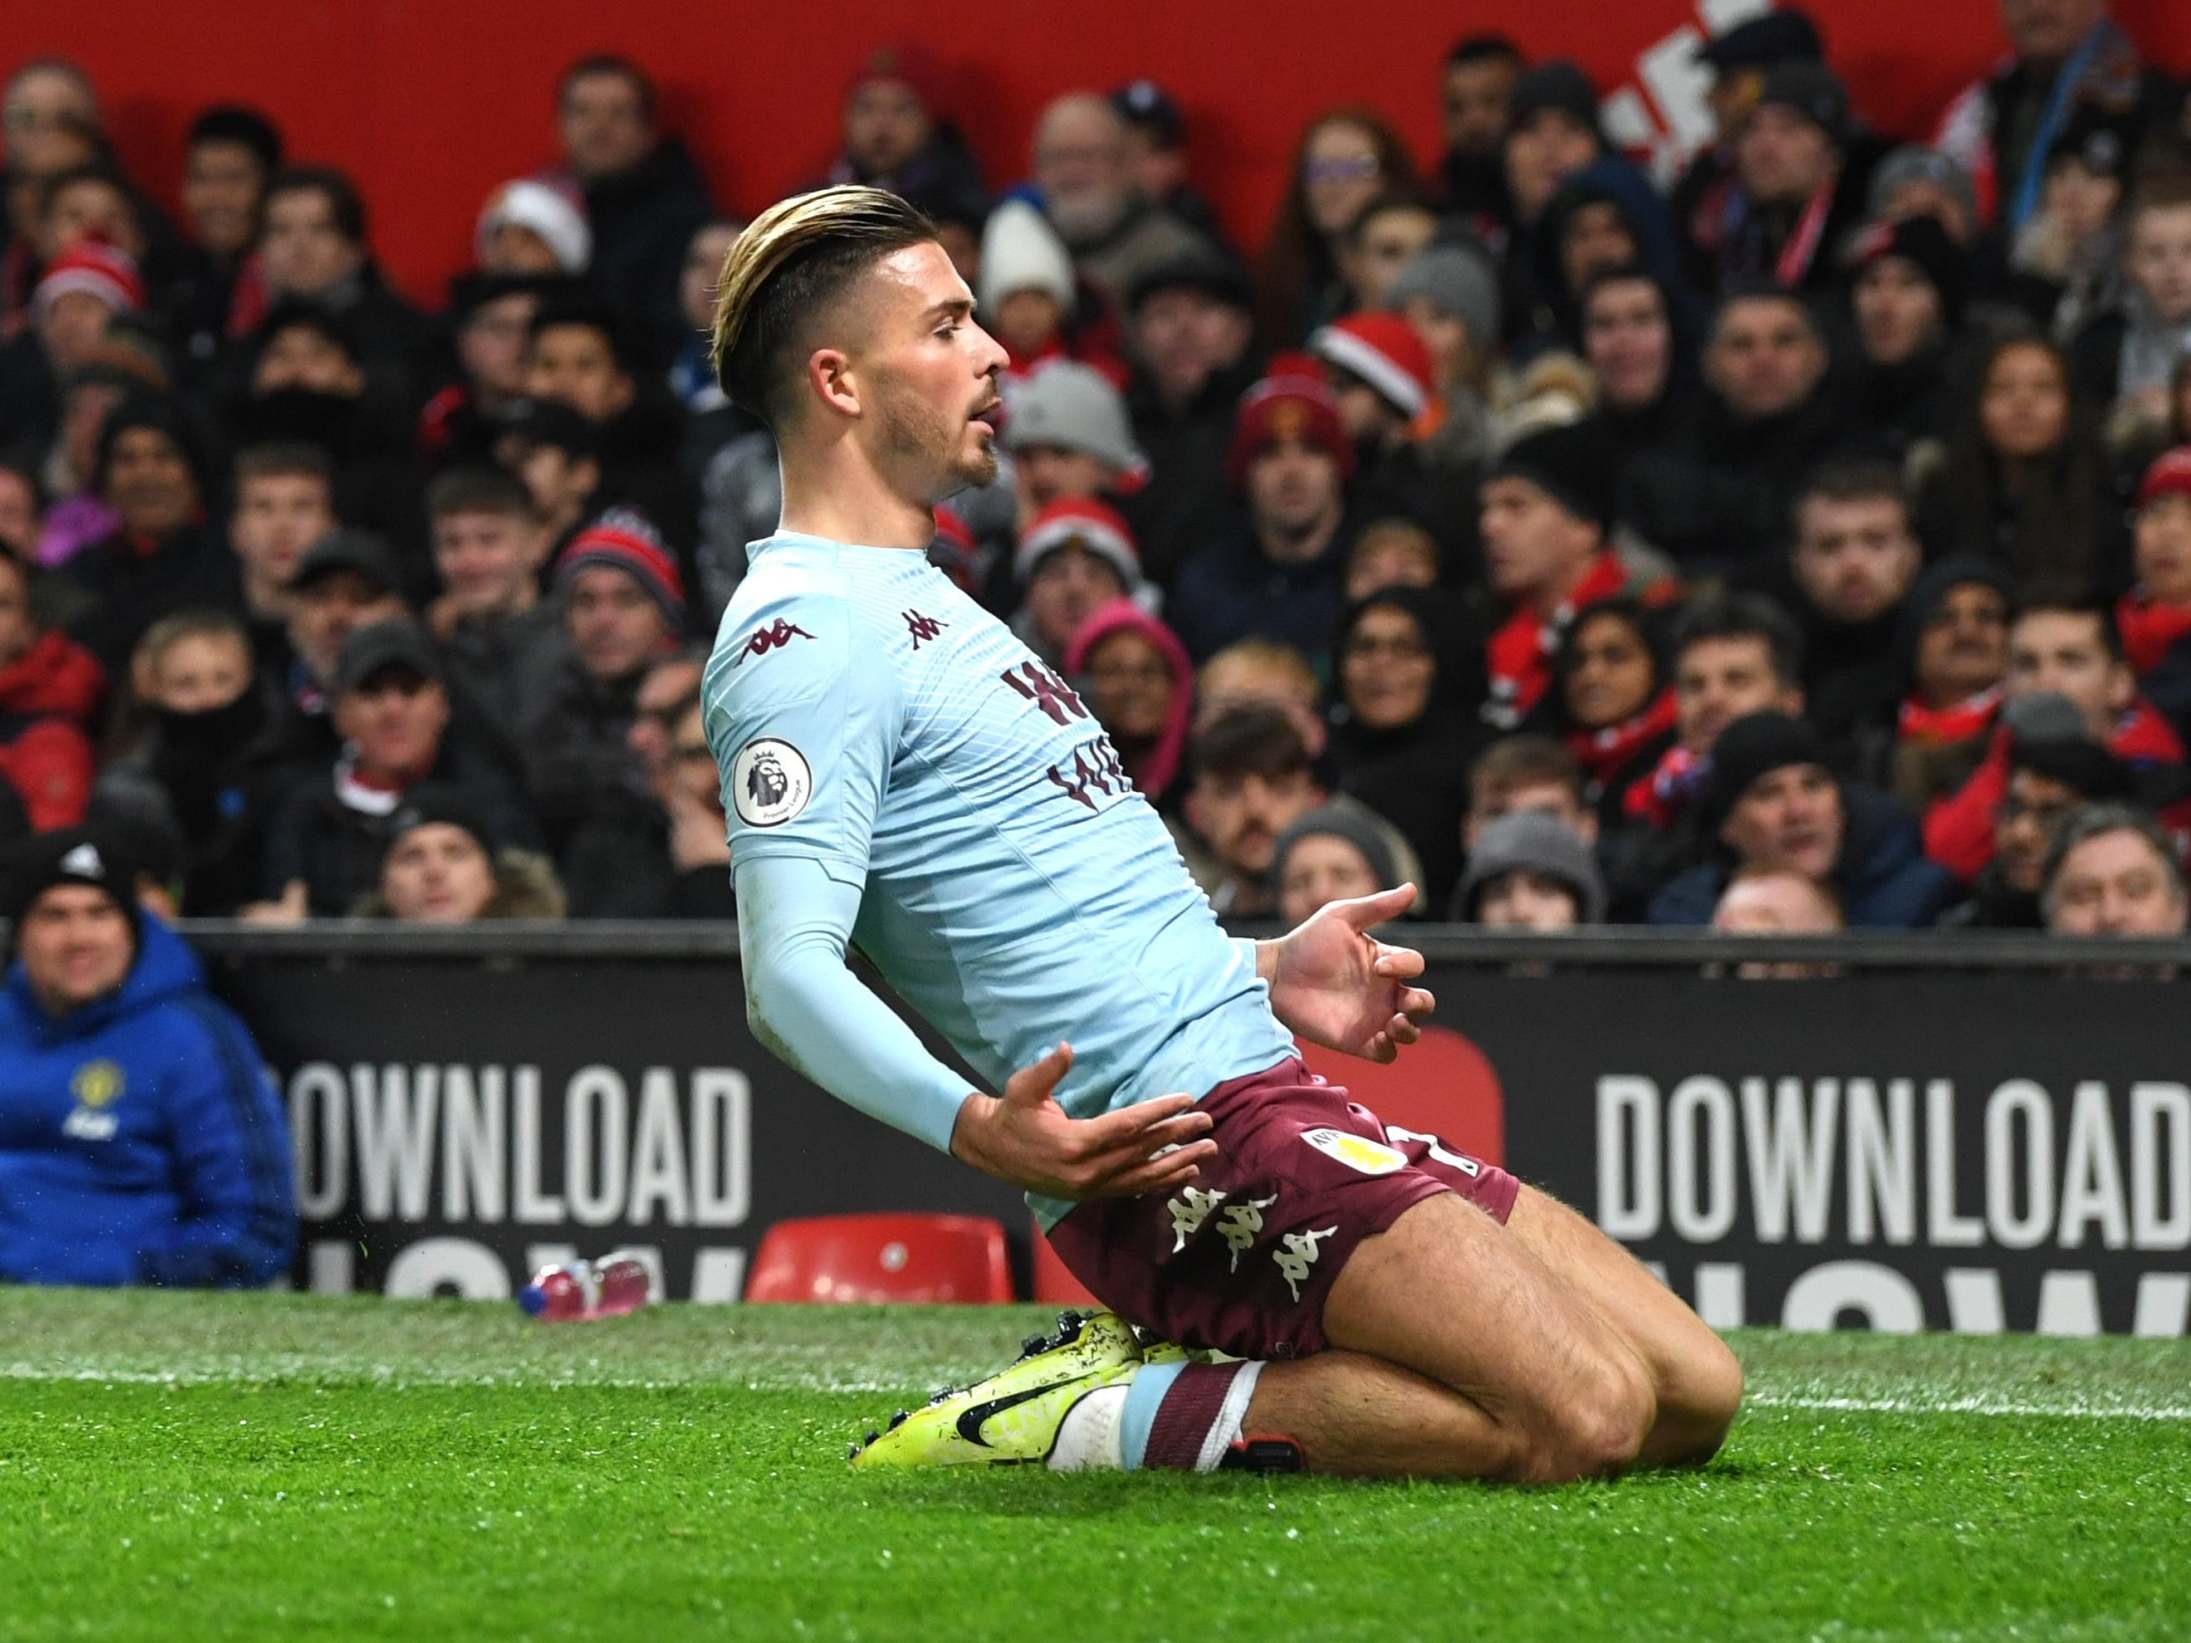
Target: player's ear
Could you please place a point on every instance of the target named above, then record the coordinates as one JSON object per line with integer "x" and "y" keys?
{"x": 829, "y": 375}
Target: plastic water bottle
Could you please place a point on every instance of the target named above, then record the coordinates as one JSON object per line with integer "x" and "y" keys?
{"x": 615, "y": 1284}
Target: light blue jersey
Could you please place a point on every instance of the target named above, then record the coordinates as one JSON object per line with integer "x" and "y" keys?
{"x": 870, "y": 718}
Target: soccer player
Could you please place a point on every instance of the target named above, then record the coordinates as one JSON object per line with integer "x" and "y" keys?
{"x": 900, "y": 772}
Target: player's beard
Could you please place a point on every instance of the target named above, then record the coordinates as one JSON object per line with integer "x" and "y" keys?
{"x": 933, "y": 443}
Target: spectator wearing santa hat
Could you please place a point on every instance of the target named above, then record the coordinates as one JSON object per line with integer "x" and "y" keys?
{"x": 1385, "y": 380}
{"x": 80, "y": 289}
{"x": 531, "y": 227}
{"x": 1075, "y": 556}
{"x": 1276, "y": 572}
{"x": 2154, "y": 617}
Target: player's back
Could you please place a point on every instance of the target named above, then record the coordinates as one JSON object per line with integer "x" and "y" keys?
{"x": 1018, "y": 891}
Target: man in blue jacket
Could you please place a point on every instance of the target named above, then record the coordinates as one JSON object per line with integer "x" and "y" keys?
{"x": 141, "y": 1139}
{"x": 1770, "y": 802}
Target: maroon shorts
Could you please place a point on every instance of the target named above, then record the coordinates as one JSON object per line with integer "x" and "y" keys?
{"x": 1242, "y": 1260}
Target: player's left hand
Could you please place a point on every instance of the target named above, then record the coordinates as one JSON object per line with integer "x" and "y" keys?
{"x": 1334, "y": 984}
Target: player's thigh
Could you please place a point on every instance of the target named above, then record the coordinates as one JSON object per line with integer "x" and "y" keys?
{"x": 1693, "y": 1371}
{"x": 1449, "y": 1293}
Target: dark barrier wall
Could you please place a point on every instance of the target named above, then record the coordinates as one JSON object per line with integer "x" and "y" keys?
{"x": 1895, "y": 1147}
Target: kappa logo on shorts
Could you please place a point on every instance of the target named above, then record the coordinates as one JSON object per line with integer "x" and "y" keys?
{"x": 1296, "y": 1253}
{"x": 1355, "y": 1151}
{"x": 1241, "y": 1225}
{"x": 770, "y": 782}
{"x": 1189, "y": 1210}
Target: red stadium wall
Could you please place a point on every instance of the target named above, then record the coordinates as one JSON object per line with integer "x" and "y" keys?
{"x": 429, "y": 103}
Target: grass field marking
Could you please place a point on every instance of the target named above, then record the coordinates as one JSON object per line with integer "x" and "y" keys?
{"x": 1969, "y": 1406}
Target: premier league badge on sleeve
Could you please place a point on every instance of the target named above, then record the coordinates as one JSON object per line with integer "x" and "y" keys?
{"x": 770, "y": 782}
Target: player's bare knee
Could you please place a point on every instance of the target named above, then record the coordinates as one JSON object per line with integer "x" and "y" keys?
{"x": 1598, "y": 1427}
{"x": 1711, "y": 1396}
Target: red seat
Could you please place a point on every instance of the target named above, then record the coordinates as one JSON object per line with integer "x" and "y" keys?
{"x": 1055, "y": 1284}
{"x": 867, "y": 1260}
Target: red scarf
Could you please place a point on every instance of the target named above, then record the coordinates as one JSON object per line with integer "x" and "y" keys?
{"x": 1942, "y": 726}
{"x": 1801, "y": 249}
{"x": 1521, "y": 651}
{"x": 1602, "y": 753}
{"x": 2150, "y": 628}
{"x": 2142, "y": 736}
{"x": 1659, "y": 797}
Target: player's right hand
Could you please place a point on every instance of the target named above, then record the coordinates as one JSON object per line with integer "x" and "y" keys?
{"x": 1026, "y": 1138}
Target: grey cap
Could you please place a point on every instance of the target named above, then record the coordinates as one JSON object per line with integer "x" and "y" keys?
{"x": 382, "y": 645}
{"x": 1459, "y": 281}
{"x": 1075, "y": 408}
{"x": 1540, "y": 843}
{"x": 1915, "y": 163}
{"x": 2045, "y": 716}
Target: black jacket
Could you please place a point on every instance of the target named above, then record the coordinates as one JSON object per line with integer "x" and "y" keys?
{"x": 130, "y": 587}
{"x": 642, "y": 220}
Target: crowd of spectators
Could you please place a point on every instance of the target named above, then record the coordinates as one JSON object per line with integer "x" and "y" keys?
{"x": 1801, "y": 542}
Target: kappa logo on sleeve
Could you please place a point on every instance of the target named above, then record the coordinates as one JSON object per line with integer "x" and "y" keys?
{"x": 770, "y": 782}
{"x": 1355, "y": 1151}
{"x": 773, "y": 637}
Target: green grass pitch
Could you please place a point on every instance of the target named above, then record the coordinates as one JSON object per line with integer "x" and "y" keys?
{"x": 276, "y": 1466}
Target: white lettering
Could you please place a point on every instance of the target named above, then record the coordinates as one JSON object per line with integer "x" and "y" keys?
{"x": 1887, "y": 1300}
{"x": 1697, "y": 1218}
{"x": 1974, "y": 1300}
{"x": 594, "y": 1108}
{"x": 2019, "y": 1096}
{"x": 2092, "y": 1176}
{"x": 2164, "y": 1304}
{"x": 658, "y": 1155}
{"x": 718, "y": 1276}
{"x": 395, "y": 1139}
{"x": 472, "y": 1145}
{"x": 1791, "y": 1155}
{"x": 1721, "y": 1299}
{"x": 533, "y": 1206}
{"x": 2069, "y": 1304}
{"x": 473, "y": 1270}
{"x": 722, "y": 1154}
{"x": 2154, "y": 1161}
{"x": 332, "y": 1265}
{"x": 1948, "y": 1229}
{"x": 319, "y": 1137}
{"x": 1628, "y": 1169}
{"x": 1882, "y": 1154}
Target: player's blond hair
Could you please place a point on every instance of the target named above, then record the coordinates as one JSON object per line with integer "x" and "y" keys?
{"x": 788, "y": 265}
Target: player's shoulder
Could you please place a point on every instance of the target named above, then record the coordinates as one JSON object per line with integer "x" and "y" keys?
{"x": 794, "y": 628}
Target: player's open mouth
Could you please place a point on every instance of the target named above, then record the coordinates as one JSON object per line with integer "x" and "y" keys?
{"x": 986, "y": 415}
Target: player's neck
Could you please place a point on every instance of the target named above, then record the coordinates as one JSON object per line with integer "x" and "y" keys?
{"x": 831, "y": 494}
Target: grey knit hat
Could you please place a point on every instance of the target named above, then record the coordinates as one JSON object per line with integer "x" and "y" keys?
{"x": 1340, "y": 821}
{"x": 1915, "y": 163}
{"x": 1540, "y": 843}
{"x": 1459, "y": 281}
{"x": 1075, "y": 408}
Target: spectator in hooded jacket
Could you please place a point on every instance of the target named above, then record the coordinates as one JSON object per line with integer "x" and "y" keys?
{"x": 1955, "y": 643}
{"x": 1614, "y": 699}
{"x": 1907, "y": 298}
{"x": 51, "y": 691}
{"x": 141, "y": 1138}
{"x": 1771, "y": 802}
{"x": 1133, "y": 673}
{"x": 642, "y": 193}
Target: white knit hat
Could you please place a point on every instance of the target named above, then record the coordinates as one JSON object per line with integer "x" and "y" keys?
{"x": 547, "y": 211}
{"x": 1021, "y": 252}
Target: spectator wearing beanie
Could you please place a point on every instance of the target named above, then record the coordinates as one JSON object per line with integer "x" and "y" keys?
{"x": 445, "y": 863}
{"x": 230, "y": 155}
{"x": 1408, "y": 667}
{"x": 1547, "y": 515}
{"x": 532, "y": 228}
{"x": 1135, "y": 677}
{"x": 2065, "y": 263}
{"x": 2154, "y": 617}
{"x": 1333, "y": 853}
{"x": 391, "y": 706}
{"x": 51, "y": 691}
{"x": 1605, "y": 216}
{"x": 143, "y": 1137}
{"x": 1276, "y": 572}
{"x": 898, "y": 131}
{"x": 1529, "y": 871}
{"x": 623, "y": 608}
{"x": 1068, "y": 437}
{"x": 1190, "y": 333}
{"x": 1739, "y": 59}
{"x": 1075, "y": 555}
{"x": 1450, "y": 294}
{"x": 2050, "y": 778}
{"x": 164, "y": 556}
{"x": 1915, "y": 181}
{"x": 1799, "y": 183}
{"x": 1771, "y": 803}
{"x": 1954, "y": 643}
{"x": 1907, "y": 295}
{"x": 1031, "y": 301}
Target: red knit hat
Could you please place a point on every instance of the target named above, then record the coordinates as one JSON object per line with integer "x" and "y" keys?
{"x": 1079, "y": 522}
{"x": 910, "y": 65}
{"x": 96, "y": 269}
{"x": 954, "y": 551}
{"x": 1291, "y": 402}
{"x": 624, "y": 539}
{"x": 1385, "y": 351}
{"x": 2170, "y": 475}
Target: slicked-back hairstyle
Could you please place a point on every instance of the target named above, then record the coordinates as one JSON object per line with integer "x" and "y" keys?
{"x": 793, "y": 261}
